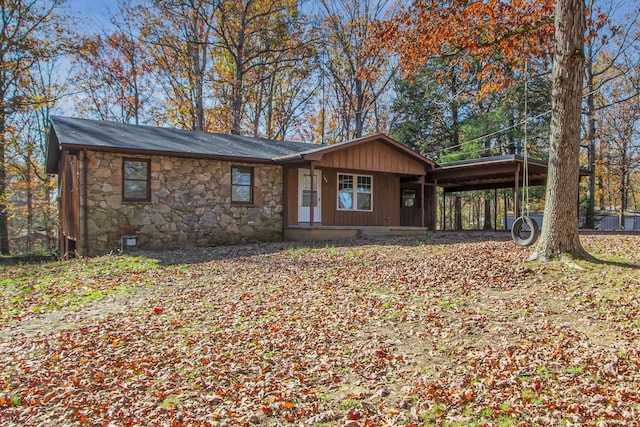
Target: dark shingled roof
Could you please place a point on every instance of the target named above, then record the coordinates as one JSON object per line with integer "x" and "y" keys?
{"x": 98, "y": 135}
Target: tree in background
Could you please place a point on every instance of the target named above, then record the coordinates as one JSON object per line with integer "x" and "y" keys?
{"x": 621, "y": 153}
{"x": 607, "y": 48}
{"x": 619, "y": 148}
{"x": 33, "y": 208}
{"x": 114, "y": 77}
{"x": 431, "y": 108}
{"x": 261, "y": 45}
{"x": 356, "y": 76}
{"x": 29, "y": 32}
{"x": 178, "y": 39}
{"x": 491, "y": 40}
{"x": 29, "y": 202}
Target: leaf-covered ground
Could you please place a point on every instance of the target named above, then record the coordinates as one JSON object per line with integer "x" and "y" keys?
{"x": 451, "y": 329}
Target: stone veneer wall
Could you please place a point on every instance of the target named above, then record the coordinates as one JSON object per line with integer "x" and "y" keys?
{"x": 190, "y": 204}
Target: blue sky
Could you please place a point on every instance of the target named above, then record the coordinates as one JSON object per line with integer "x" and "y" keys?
{"x": 92, "y": 7}
{"x": 97, "y": 11}
{"x": 93, "y": 12}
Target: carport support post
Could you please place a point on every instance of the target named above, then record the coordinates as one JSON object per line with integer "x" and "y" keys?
{"x": 505, "y": 203}
{"x": 495, "y": 209}
{"x": 516, "y": 195}
{"x": 434, "y": 205}
{"x": 444, "y": 210}
{"x": 312, "y": 173}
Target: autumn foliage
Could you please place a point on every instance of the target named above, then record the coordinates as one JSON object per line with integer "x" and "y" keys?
{"x": 444, "y": 330}
{"x": 493, "y": 38}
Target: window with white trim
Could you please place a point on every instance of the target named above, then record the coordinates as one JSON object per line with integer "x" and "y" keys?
{"x": 355, "y": 192}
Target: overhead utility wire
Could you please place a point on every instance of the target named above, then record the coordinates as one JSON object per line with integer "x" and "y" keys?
{"x": 480, "y": 138}
{"x": 537, "y": 135}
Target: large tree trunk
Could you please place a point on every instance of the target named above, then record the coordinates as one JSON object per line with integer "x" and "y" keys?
{"x": 560, "y": 226}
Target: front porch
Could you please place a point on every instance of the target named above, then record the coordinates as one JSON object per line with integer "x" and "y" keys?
{"x": 303, "y": 232}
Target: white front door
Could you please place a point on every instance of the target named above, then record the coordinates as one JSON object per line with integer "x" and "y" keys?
{"x": 304, "y": 195}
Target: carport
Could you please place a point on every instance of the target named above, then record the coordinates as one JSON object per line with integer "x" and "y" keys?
{"x": 489, "y": 173}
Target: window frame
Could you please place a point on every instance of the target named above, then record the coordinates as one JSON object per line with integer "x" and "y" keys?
{"x": 147, "y": 180}
{"x": 250, "y": 170}
{"x": 354, "y": 192}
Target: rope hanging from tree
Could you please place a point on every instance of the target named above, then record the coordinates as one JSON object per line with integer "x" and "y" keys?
{"x": 524, "y": 230}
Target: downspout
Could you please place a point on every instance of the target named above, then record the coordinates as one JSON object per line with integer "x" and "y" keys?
{"x": 85, "y": 201}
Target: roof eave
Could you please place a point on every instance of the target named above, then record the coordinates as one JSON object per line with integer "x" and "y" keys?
{"x": 317, "y": 153}
{"x": 139, "y": 152}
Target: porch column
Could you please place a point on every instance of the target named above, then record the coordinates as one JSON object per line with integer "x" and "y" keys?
{"x": 434, "y": 206}
{"x": 422, "y": 179}
{"x": 312, "y": 189}
{"x": 516, "y": 195}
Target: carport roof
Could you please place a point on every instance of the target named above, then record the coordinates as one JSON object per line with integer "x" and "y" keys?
{"x": 489, "y": 173}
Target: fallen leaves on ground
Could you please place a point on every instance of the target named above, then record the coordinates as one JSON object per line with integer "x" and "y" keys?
{"x": 455, "y": 329}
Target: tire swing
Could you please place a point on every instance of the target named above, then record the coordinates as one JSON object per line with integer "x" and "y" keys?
{"x": 525, "y": 230}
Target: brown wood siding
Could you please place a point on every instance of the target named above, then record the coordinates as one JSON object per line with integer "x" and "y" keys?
{"x": 373, "y": 156}
{"x": 69, "y": 190}
{"x": 291, "y": 194}
{"x": 386, "y": 205}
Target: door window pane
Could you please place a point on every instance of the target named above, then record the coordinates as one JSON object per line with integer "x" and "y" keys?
{"x": 408, "y": 198}
{"x": 306, "y": 190}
